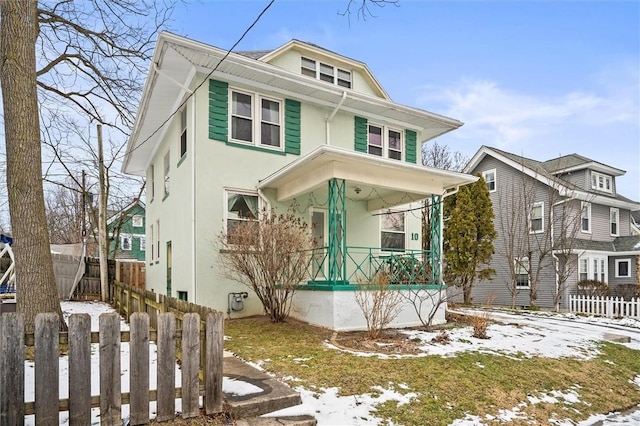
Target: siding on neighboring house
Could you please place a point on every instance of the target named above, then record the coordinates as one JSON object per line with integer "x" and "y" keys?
{"x": 579, "y": 178}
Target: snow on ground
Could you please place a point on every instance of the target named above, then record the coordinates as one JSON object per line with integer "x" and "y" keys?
{"x": 513, "y": 334}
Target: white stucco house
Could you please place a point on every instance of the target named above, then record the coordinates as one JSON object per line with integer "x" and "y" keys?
{"x": 219, "y": 137}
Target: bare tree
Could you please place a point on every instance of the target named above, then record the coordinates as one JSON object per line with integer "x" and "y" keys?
{"x": 428, "y": 301}
{"x": 84, "y": 58}
{"x": 441, "y": 157}
{"x": 64, "y": 214}
{"x": 363, "y": 8}
{"x": 270, "y": 255}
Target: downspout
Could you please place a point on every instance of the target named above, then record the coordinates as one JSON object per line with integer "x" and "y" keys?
{"x": 193, "y": 199}
{"x": 553, "y": 254}
{"x": 333, "y": 113}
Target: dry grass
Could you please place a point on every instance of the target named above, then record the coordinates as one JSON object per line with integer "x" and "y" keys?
{"x": 448, "y": 388}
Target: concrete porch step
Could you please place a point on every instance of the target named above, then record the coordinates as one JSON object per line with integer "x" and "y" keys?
{"x": 273, "y": 397}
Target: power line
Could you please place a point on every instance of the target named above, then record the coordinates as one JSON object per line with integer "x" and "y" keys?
{"x": 202, "y": 82}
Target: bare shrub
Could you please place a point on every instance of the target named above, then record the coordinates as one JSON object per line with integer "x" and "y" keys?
{"x": 269, "y": 255}
{"x": 593, "y": 288}
{"x": 442, "y": 337}
{"x": 480, "y": 324}
{"x": 379, "y": 302}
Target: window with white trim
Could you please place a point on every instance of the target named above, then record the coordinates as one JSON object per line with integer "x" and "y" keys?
{"x": 325, "y": 72}
{"x": 601, "y": 182}
{"x": 183, "y": 132}
{"x": 153, "y": 238}
{"x": 125, "y": 242}
{"x": 392, "y": 231}
{"x": 489, "y": 177}
{"x": 585, "y": 217}
{"x": 583, "y": 269}
{"x": 522, "y": 272}
{"x": 167, "y": 168}
{"x": 593, "y": 268}
{"x": 385, "y": 142}
{"x": 143, "y": 243}
{"x": 137, "y": 221}
{"x": 152, "y": 184}
{"x": 158, "y": 239}
{"x": 242, "y": 207}
{"x": 256, "y": 119}
{"x": 623, "y": 268}
{"x": 536, "y": 218}
{"x": 614, "y": 220}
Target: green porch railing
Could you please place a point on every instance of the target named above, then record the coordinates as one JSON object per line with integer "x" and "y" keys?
{"x": 408, "y": 267}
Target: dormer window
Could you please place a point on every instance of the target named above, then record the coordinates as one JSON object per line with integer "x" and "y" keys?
{"x": 325, "y": 72}
{"x": 601, "y": 182}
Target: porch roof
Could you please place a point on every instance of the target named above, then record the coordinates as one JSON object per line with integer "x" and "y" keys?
{"x": 381, "y": 182}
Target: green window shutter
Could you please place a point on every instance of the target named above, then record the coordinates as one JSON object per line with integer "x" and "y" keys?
{"x": 292, "y": 127}
{"x": 361, "y": 132}
{"x": 218, "y": 110}
{"x": 410, "y": 138}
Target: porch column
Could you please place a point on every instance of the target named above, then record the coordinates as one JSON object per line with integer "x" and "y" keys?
{"x": 436, "y": 239}
{"x": 337, "y": 232}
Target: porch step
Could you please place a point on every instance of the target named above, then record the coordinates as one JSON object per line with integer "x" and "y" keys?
{"x": 273, "y": 397}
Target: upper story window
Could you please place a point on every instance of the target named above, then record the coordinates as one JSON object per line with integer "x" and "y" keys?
{"x": 614, "y": 215}
{"x": 125, "y": 242}
{"x": 490, "y": 178}
{"x": 256, "y": 120}
{"x": 585, "y": 218}
{"x": 536, "y": 219}
{"x": 325, "y": 72}
{"x": 143, "y": 243}
{"x": 183, "y": 132}
{"x": 385, "y": 142}
{"x": 392, "y": 231}
{"x": 242, "y": 207}
{"x": 137, "y": 221}
{"x": 152, "y": 181}
{"x": 601, "y": 182}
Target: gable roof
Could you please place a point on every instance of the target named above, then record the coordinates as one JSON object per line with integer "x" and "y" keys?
{"x": 177, "y": 63}
{"x": 125, "y": 210}
{"x": 573, "y": 162}
{"x": 546, "y": 173}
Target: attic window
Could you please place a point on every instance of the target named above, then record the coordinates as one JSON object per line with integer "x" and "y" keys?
{"x": 325, "y": 72}
{"x": 601, "y": 182}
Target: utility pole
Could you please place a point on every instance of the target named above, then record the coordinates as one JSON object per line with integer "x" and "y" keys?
{"x": 102, "y": 223}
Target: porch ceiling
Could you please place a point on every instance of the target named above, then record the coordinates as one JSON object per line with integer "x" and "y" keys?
{"x": 383, "y": 183}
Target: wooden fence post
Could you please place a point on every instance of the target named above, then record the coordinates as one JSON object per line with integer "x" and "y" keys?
{"x": 79, "y": 369}
{"x": 47, "y": 371}
{"x": 213, "y": 368}
{"x": 190, "y": 365}
{"x": 12, "y": 360}
{"x": 166, "y": 367}
{"x": 139, "y": 366}
{"x": 110, "y": 388}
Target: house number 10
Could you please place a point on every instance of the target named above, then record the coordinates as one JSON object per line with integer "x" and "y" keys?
{"x": 414, "y": 236}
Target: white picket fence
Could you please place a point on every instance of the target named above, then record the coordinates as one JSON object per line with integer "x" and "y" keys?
{"x": 610, "y": 307}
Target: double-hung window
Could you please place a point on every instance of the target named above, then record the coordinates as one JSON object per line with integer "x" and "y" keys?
{"x": 143, "y": 243}
{"x": 242, "y": 208}
{"x": 536, "y": 219}
{"x": 183, "y": 132}
{"x": 592, "y": 267}
{"x": 167, "y": 168}
{"x": 490, "y": 179}
{"x": 125, "y": 242}
{"x": 522, "y": 272}
{"x": 137, "y": 221}
{"x": 256, "y": 120}
{"x": 392, "y": 231}
{"x": 385, "y": 142}
{"x": 614, "y": 215}
{"x": 152, "y": 185}
{"x": 583, "y": 269}
{"x": 585, "y": 218}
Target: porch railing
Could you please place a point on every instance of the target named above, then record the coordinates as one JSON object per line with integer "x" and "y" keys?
{"x": 361, "y": 264}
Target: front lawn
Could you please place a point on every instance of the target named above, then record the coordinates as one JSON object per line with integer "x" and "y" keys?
{"x": 440, "y": 389}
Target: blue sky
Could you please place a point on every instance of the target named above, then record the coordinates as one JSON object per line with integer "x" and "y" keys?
{"x": 538, "y": 79}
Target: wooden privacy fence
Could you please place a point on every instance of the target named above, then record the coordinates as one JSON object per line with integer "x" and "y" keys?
{"x": 610, "y": 307}
{"x": 47, "y": 340}
{"x": 132, "y": 273}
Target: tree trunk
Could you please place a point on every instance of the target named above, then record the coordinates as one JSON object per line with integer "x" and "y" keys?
{"x": 35, "y": 282}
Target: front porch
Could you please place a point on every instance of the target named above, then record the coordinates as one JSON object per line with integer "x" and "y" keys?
{"x": 366, "y": 214}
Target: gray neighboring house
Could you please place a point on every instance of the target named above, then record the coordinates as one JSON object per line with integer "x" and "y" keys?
{"x": 573, "y": 206}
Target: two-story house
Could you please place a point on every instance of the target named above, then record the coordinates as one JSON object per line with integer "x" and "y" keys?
{"x": 220, "y": 136}
{"x": 126, "y": 229}
{"x": 565, "y": 211}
